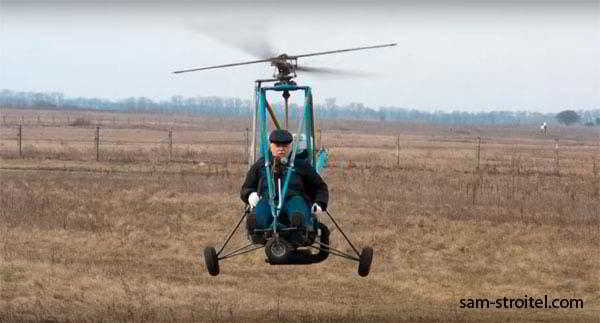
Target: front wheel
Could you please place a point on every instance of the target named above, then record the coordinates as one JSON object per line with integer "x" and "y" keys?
{"x": 211, "y": 261}
{"x": 364, "y": 262}
{"x": 278, "y": 251}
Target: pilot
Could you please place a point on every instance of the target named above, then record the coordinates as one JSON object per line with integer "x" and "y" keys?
{"x": 307, "y": 192}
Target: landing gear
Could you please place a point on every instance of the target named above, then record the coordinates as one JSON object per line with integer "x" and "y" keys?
{"x": 290, "y": 245}
{"x": 278, "y": 251}
{"x": 211, "y": 261}
{"x": 364, "y": 262}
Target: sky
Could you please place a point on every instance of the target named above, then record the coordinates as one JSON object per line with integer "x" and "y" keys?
{"x": 451, "y": 55}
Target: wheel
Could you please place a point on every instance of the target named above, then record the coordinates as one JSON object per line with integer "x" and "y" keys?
{"x": 365, "y": 260}
{"x": 211, "y": 261}
{"x": 278, "y": 251}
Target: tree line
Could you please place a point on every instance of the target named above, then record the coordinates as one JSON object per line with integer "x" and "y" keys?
{"x": 222, "y": 106}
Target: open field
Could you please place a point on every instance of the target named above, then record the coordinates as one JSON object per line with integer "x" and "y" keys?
{"x": 121, "y": 238}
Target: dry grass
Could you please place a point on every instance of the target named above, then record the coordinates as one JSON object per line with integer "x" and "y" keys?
{"x": 122, "y": 239}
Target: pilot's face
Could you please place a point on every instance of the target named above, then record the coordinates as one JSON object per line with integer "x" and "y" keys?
{"x": 280, "y": 150}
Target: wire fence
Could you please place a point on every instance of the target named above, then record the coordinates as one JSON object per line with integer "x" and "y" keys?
{"x": 50, "y": 118}
{"x": 177, "y": 145}
{"x": 100, "y": 141}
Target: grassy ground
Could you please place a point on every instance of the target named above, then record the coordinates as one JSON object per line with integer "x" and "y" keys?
{"x": 82, "y": 240}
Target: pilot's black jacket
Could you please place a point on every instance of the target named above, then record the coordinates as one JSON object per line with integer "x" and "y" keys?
{"x": 304, "y": 181}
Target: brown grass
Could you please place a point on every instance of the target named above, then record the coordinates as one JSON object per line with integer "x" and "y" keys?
{"x": 121, "y": 239}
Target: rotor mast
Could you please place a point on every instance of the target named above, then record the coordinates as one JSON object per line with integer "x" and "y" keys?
{"x": 286, "y": 66}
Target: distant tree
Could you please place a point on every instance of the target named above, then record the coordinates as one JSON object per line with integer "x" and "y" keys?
{"x": 176, "y": 101}
{"x": 330, "y": 103}
{"x": 568, "y": 117}
{"x": 381, "y": 115}
{"x": 221, "y": 106}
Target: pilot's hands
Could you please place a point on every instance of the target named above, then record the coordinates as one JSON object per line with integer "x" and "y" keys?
{"x": 316, "y": 209}
{"x": 253, "y": 199}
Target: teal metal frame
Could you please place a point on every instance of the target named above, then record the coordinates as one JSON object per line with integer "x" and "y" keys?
{"x": 306, "y": 124}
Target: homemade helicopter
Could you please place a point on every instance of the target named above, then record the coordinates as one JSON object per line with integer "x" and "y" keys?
{"x": 285, "y": 243}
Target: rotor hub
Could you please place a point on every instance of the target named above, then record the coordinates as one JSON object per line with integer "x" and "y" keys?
{"x": 285, "y": 67}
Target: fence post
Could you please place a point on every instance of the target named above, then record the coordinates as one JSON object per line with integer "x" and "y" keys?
{"x": 556, "y": 161}
{"x": 320, "y": 136}
{"x": 596, "y": 182}
{"x": 398, "y": 151}
{"x": 478, "y": 152}
{"x": 170, "y": 144}
{"x": 475, "y": 191}
{"x": 20, "y": 136}
{"x": 97, "y": 140}
{"x": 246, "y": 145}
{"x": 252, "y": 156}
{"x": 596, "y": 177}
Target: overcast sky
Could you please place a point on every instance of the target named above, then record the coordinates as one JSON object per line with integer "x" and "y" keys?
{"x": 451, "y": 55}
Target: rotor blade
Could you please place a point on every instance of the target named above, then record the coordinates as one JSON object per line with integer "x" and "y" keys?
{"x": 247, "y": 36}
{"x": 258, "y": 48}
{"x": 331, "y": 71}
{"x": 343, "y": 50}
{"x": 225, "y": 65}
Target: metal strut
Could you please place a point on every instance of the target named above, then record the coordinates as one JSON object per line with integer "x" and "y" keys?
{"x": 343, "y": 234}
{"x": 239, "y": 251}
{"x": 335, "y": 252}
{"x": 231, "y": 234}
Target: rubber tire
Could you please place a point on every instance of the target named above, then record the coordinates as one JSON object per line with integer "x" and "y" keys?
{"x": 273, "y": 259}
{"x": 211, "y": 261}
{"x": 365, "y": 260}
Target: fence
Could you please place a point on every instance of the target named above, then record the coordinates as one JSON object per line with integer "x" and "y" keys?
{"x": 98, "y": 140}
{"x": 479, "y": 155}
{"x": 69, "y": 118}
{"x": 181, "y": 144}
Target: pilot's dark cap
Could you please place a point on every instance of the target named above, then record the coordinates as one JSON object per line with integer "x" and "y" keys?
{"x": 281, "y": 136}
